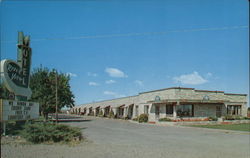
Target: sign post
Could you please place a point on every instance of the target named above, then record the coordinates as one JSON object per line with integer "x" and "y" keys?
{"x": 15, "y": 78}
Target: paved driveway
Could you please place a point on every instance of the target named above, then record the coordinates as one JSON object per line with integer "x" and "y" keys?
{"x": 160, "y": 141}
{"x": 109, "y": 138}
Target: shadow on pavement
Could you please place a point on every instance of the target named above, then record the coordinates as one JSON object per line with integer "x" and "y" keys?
{"x": 71, "y": 120}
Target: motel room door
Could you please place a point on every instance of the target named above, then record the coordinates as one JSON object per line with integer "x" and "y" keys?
{"x": 157, "y": 112}
{"x": 218, "y": 111}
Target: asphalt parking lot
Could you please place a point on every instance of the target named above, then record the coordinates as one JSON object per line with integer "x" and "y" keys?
{"x": 118, "y": 138}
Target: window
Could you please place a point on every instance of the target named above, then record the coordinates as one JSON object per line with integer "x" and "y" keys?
{"x": 136, "y": 110}
{"x": 234, "y": 109}
{"x": 121, "y": 111}
{"x": 169, "y": 109}
{"x": 146, "y": 107}
{"x": 184, "y": 110}
{"x": 157, "y": 110}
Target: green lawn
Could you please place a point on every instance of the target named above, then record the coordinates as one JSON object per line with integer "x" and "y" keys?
{"x": 237, "y": 127}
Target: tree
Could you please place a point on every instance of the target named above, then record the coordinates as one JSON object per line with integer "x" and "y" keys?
{"x": 43, "y": 86}
{"x": 5, "y": 93}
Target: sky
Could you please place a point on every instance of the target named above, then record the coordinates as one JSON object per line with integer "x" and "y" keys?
{"x": 118, "y": 48}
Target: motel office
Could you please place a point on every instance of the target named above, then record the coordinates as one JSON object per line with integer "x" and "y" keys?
{"x": 174, "y": 103}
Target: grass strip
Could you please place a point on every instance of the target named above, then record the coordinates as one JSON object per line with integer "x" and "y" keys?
{"x": 235, "y": 127}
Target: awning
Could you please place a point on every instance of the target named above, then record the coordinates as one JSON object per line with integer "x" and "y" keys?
{"x": 107, "y": 106}
{"x": 122, "y": 106}
{"x": 118, "y": 106}
{"x": 128, "y": 105}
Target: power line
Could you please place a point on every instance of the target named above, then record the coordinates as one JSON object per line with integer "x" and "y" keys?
{"x": 137, "y": 34}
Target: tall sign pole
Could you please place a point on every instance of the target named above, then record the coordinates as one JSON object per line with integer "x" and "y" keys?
{"x": 15, "y": 78}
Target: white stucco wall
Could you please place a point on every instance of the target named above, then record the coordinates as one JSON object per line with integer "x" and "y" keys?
{"x": 187, "y": 94}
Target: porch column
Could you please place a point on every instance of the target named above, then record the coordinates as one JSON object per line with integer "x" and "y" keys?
{"x": 90, "y": 110}
{"x": 133, "y": 114}
{"x": 125, "y": 112}
{"x": 115, "y": 111}
{"x": 174, "y": 110}
{"x": 95, "y": 112}
{"x": 103, "y": 111}
{"x": 83, "y": 111}
{"x": 226, "y": 109}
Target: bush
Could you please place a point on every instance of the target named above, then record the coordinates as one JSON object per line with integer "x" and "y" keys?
{"x": 135, "y": 119}
{"x": 45, "y": 132}
{"x": 212, "y": 119}
{"x": 100, "y": 113}
{"x": 91, "y": 113}
{"x": 111, "y": 114}
{"x": 165, "y": 119}
{"x": 238, "y": 118}
{"x": 126, "y": 118}
{"x": 13, "y": 127}
{"x": 143, "y": 118}
{"x": 229, "y": 117}
{"x": 246, "y": 118}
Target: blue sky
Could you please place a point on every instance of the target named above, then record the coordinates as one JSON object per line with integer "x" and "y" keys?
{"x": 118, "y": 48}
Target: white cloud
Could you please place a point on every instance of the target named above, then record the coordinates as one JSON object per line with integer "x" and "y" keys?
{"x": 209, "y": 74}
{"x": 114, "y": 94}
{"x": 92, "y": 74}
{"x": 139, "y": 83}
{"x": 71, "y": 74}
{"x": 93, "y": 84}
{"x": 114, "y": 72}
{"x": 110, "y": 81}
{"x": 191, "y": 79}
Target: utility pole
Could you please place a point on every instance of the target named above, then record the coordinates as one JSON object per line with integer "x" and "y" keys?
{"x": 56, "y": 101}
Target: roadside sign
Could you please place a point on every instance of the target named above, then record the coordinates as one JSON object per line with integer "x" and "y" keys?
{"x": 12, "y": 110}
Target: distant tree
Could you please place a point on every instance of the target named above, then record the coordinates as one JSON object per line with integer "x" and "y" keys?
{"x": 43, "y": 86}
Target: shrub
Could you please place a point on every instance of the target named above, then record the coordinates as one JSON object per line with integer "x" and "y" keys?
{"x": 165, "y": 119}
{"x": 13, "y": 127}
{"x": 111, "y": 114}
{"x": 229, "y": 117}
{"x": 45, "y": 132}
{"x": 143, "y": 118}
{"x": 246, "y": 118}
{"x": 135, "y": 119}
{"x": 239, "y": 118}
{"x": 212, "y": 119}
{"x": 91, "y": 113}
{"x": 100, "y": 113}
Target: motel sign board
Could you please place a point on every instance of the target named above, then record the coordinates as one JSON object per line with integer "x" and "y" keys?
{"x": 15, "y": 77}
{"x": 18, "y": 110}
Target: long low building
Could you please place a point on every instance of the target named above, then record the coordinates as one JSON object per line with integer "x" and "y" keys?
{"x": 173, "y": 103}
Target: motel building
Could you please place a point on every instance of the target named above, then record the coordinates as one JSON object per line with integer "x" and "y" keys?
{"x": 175, "y": 103}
